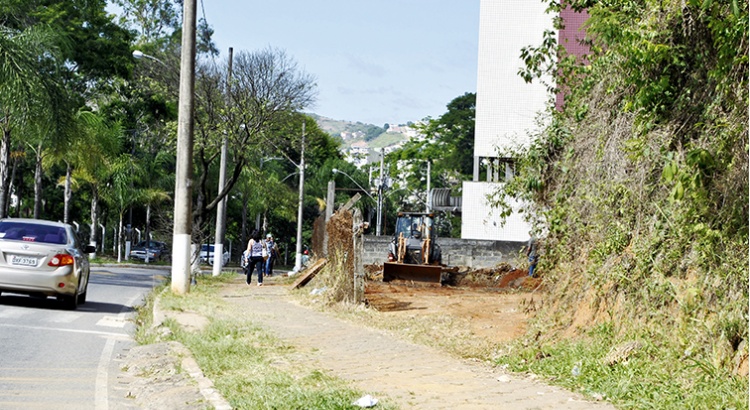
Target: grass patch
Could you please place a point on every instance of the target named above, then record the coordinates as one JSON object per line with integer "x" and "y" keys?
{"x": 646, "y": 380}
{"x": 251, "y": 367}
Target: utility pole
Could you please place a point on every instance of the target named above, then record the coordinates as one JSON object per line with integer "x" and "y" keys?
{"x": 221, "y": 210}
{"x": 381, "y": 182}
{"x": 298, "y": 258}
{"x": 330, "y": 199}
{"x": 428, "y": 200}
{"x": 183, "y": 218}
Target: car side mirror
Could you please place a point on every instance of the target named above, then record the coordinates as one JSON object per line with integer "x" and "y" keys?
{"x": 89, "y": 249}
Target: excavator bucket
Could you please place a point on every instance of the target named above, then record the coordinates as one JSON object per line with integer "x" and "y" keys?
{"x": 405, "y": 271}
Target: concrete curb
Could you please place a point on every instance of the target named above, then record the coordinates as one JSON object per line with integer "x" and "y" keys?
{"x": 205, "y": 385}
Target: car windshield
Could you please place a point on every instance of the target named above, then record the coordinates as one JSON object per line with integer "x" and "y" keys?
{"x": 210, "y": 248}
{"x": 31, "y": 232}
{"x": 152, "y": 244}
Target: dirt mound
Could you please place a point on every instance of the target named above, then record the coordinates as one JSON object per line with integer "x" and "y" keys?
{"x": 502, "y": 276}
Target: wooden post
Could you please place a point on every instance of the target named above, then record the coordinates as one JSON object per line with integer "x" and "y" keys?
{"x": 358, "y": 249}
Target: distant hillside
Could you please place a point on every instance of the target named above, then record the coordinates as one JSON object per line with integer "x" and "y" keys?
{"x": 352, "y": 132}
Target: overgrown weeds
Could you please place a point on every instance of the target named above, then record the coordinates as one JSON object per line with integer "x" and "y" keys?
{"x": 649, "y": 378}
{"x": 641, "y": 181}
{"x": 251, "y": 367}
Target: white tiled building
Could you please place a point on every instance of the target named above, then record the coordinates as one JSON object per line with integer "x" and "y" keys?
{"x": 506, "y": 111}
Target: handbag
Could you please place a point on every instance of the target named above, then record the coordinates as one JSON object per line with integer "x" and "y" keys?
{"x": 245, "y": 259}
{"x": 264, "y": 252}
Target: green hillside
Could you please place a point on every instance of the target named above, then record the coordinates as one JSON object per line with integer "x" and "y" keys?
{"x": 374, "y": 135}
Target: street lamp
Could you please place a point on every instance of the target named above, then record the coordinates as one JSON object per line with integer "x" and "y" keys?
{"x": 379, "y": 201}
{"x": 138, "y": 54}
{"x": 338, "y": 171}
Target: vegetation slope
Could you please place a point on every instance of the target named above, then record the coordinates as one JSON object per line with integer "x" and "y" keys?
{"x": 640, "y": 184}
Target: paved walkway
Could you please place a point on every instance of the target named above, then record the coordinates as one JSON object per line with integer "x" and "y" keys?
{"x": 414, "y": 376}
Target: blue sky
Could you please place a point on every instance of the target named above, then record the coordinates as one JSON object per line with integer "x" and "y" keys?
{"x": 386, "y": 61}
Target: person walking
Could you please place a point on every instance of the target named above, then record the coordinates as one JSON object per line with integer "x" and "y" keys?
{"x": 255, "y": 248}
{"x": 272, "y": 252}
{"x": 532, "y": 251}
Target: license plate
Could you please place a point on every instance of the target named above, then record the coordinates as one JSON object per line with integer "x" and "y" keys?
{"x": 22, "y": 260}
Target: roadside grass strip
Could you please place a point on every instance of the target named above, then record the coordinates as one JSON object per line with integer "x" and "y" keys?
{"x": 252, "y": 368}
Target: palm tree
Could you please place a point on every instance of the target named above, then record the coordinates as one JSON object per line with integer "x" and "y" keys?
{"x": 29, "y": 91}
{"x": 93, "y": 154}
{"x": 119, "y": 194}
{"x": 151, "y": 197}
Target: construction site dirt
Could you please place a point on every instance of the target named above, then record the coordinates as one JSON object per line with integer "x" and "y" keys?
{"x": 493, "y": 301}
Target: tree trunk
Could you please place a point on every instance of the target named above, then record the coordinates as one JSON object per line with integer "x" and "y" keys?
{"x": 94, "y": 215}
{"x": 38, "y": 183}
{"x": 357, "y": 251}
{"x": 68, "y": 194}
{"x": 148, "y": 230}
{"x": 14, "y": 185}
{"x": 119, "y": 239}
{"x": 243, "y": 228}
{"x": 4, "y": 169}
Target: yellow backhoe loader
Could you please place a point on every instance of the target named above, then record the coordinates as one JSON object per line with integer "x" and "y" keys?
{"x": 414, "y": 253}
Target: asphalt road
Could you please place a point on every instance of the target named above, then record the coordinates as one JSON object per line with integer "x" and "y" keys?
{"x": 52, "y": 358}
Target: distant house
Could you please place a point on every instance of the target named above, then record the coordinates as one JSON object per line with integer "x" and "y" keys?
{"x": 406, "y": 130}
{"x": 348, "y": 135}
{"x": 393, "y": 129}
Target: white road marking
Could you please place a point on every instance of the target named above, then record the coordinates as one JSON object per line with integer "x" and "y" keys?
{"x": 112, "y": 321}
{"x": 121, "y": 336}
{"x": 101, "y": 394}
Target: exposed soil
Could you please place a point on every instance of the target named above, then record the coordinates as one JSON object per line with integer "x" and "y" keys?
{"x": 495, "y": 301}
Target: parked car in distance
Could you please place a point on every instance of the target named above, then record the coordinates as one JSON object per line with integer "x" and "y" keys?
{"x": 207, "y": 255}
{"x": 43, "y": 258}
{"x": 157, "y": 251}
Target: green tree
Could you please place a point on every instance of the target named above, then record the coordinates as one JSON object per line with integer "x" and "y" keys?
{"x": 120, "y": 193}
{"x": 92, "y": 45}
{"x": 453, "y": 136}
{"x": 266, "y": 87}
{"x": 100, "y": 143}
{"x": 158, "y": 24}
{"x": 30, "y": 97}
{"x": 448, "y": 145}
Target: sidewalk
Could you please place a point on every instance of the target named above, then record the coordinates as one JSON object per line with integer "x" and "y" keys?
{"x": 379, "y": 364}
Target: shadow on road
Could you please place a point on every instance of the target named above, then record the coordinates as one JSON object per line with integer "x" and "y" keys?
{"x": 50, "y": 303}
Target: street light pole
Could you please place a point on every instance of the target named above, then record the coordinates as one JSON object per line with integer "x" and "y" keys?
{"x": 183, "y": 219}
{"x": 428, "y": 202}
{"x": 298, "y": 257}
{"x": 380, "y": 194}
{"x": 222, "y": 207}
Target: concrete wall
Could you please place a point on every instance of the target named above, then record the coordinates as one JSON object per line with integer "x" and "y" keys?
{"x": 473, "y": 253}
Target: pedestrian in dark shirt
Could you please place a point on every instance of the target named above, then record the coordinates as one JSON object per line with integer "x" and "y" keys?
{"x": 256, "y": 248}
{"x": 532, "y": 252}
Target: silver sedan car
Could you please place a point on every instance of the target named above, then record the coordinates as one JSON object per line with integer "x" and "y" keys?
{"x": 43, "y": 258}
